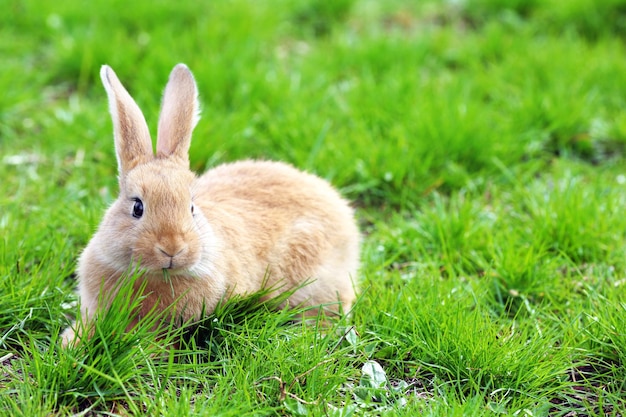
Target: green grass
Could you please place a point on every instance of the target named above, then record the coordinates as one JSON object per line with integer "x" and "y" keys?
{"x": 482, "y": 141}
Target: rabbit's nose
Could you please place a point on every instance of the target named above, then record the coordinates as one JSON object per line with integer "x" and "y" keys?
{"x": 172, "y": 255}
{"x": 172, "y": 252}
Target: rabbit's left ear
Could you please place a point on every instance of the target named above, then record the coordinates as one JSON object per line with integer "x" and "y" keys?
{"x": 179, "y": 115}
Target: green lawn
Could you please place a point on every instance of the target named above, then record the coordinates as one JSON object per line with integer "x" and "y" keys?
{"x": 482, "y": 141}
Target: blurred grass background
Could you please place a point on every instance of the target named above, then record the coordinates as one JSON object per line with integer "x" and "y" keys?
{"x": 390, "y": 99}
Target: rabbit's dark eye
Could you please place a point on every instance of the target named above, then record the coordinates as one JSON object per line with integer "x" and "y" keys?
{"x": 137, "y": 208}
{"x": 191, "y": 208}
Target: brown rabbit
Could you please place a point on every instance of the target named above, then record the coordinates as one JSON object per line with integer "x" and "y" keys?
{"x": 236, "y": 228}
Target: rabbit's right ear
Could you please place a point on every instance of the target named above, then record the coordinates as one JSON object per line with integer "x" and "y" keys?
{"x": 179, "y": 115}
{"x": 132, "y": 137}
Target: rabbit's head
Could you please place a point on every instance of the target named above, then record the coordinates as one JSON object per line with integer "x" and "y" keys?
{"x": 154, "y": 221}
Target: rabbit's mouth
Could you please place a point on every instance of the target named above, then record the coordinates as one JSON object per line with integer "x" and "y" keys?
{"x": 174, "y": 273}
{"x": 167, "y": 266}
{"x": 171, "y": 264}
{"x": 174, "y": 258}
{"x": 175, "y": 267}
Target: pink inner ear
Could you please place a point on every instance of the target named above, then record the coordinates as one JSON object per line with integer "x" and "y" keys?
{"x": 178, "y": 114}
{"x": 173, "y": 143}
{"x": 163, "y": 148}
{"x": 167, "y": 148}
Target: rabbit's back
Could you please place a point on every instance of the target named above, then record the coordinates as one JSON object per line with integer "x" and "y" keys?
{"x": 276, "y": 221}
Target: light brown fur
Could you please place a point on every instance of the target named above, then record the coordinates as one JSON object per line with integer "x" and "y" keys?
{"x": 251, "y": 220}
